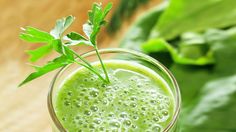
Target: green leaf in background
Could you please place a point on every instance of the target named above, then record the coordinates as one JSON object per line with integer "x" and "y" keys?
{"x": 50, "y": 66}
{"x": 190, "y": 15}
{"x": 35, "y": 35}
{"x": 160, "y": 45}
{"x": 140, "y": 30}
{"x": 61, "y": 26}
{"x": 213, "y": 109}
{"x": 208, "y": 93}
{"x": 123, "y": 11}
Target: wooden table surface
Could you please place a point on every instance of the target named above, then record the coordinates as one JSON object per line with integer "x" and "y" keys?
{"x": 25, "y": 109}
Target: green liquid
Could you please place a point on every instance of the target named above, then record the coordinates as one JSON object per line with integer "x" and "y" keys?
{"x": 136, "y": 99}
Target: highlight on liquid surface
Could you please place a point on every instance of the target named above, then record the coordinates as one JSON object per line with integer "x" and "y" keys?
{"x": 136, "y": 99}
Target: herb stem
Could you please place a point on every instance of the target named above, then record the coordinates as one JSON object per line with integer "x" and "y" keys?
{"x": 102, "y": 64}
{"x": 92, "y": 70}
{"x": 81, "y": 58}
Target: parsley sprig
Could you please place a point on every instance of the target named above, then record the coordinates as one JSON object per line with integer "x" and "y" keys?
{"x": 55, "y": 40}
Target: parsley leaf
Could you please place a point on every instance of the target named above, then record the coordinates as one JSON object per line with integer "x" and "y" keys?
{"x": 39, "y": 52}
{"x": 62, "y": 49}
{"x": 61, "y": 26}
{"x": 96, "y": 20}
{"x": 50, "y": 66}
{"x": 55, "y": 41}
{"x": 74, "y": 38}
{"x": 35, "y": 35}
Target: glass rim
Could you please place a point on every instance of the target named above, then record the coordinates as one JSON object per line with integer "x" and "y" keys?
{"x": 177, "y": 98}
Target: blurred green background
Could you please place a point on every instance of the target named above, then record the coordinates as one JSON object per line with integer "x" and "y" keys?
{"x": 196, "y": 40}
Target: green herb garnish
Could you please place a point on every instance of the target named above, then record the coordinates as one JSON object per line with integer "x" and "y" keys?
{"x": 56, "y": 41}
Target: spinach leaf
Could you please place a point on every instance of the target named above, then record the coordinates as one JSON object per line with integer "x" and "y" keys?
{"x": 124, "y": 10}
{"x": 208, "y": 92}
{"x": 188, "y": 54}
{"x": 141, "y": 29}
{"x": 190, "y": 15}
{"x": 213, "y": 109}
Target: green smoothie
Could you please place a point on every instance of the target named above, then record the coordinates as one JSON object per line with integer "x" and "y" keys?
{"x": 136, "y": 99}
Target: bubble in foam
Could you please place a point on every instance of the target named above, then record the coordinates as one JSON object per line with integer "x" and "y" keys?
{"x": 144, "y": 108}
{"x": 111, "y": 115}
{"x": 110, "y": 99}
{"x": 165, "y": 112}
{"x": 156, "y": 119}
{"x": 127, "y": 122}
{"x": 92, "y": 126}
{"x": 81, "y": 94}
{"x": 102, "y": 128}
{"x": 77, "y": 117}
{"x": 87, "y": 112}
{"x": 84, "y": 90}
{"x": 116, "y": 87}
{"x": 69, "y": 93}
{"x": 92, "y": 79}
{"x": 160, "y": 96}
{"x": 126, "y": 91}
{"x": 124, "y": 130}
{"x": 78, "y": 104}
{"x": 132, "y": 79}
{"x": 103, "y": 85}
{"x": 94, "y": 93}
{"x": 135, "y": 117}
{"x": 73, "y": 122}
{"x": 85, "y": 80}
{"x": 114, "y": 124}
{"x": 142, "y": 100}
{"x": 67, "y": 103}
{"x": 80, "y": 122}
{"x": 125, "y": 104}
{"x": 86, "y": 103}
{"x": 94, "y": 108}
{"x": 154, "y": 113}
{"x": 143, "y": 113}
{"x": 64, "y": 118}
{"x": 156, "y": 128}
{"x": 120, "y": 102}
{"x": 97, "y": 121}
{"x": 153, "y": 101}
{"x": 97, "y": 101}
{"x": 139, "y": 85}
{"x": 133, "y": 105}
{"x": 134, "y": 126}
{"x": 79, "y": 130}
{"x": 133, "y": 98}
{"x": 105, "y": 102}
{"x": 85, "y": 126}
{"x": 123, "y": 115}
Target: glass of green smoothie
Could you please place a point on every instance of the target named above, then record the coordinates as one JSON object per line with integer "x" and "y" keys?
{"x": 142, "y": 95}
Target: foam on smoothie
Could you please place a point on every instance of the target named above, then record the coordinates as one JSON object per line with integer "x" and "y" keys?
{"x": 136, "y": 99}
